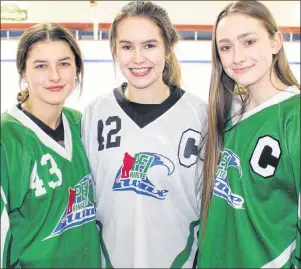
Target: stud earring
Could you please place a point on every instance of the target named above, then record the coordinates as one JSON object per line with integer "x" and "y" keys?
{"x": 24, "y": 84}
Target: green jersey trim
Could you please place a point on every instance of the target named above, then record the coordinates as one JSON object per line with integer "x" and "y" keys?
{"x": 183, "y": 257}
{"x": 104, "y": 251}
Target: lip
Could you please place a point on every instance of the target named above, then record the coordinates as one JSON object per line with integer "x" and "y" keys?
{"x": 242, "y": 69}
{"x": 140, "y": 74}
{"x": 55, "y": 88}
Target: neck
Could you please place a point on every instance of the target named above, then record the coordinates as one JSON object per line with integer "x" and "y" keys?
{"x": 49, "y": 114}
{"x": 154, "y": 94}
{"x": 264, "y": 90}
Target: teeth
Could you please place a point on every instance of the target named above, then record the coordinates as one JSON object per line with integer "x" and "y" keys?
{"x": 141, "y": 70}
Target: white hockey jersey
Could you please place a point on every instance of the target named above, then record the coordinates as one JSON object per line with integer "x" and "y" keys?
{"x": 146, "y": 170}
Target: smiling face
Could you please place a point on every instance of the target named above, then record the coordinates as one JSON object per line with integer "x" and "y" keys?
{"x": 50, "y": 72}
{"x": 245, "y": 49}
{"x": 140, "y": 52}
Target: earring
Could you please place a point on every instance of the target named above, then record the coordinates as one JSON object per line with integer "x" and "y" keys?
{"x": 24, "y": 84}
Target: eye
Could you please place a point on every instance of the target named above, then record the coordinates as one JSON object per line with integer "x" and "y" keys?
{"x": 65, "y": 64}
{"x": 149, "y": 46}
{"x": 225, "y": 48}
{"x": 127, "y": 47}
{"x": 40, "y": 66}
{"x": 250, "y": 42}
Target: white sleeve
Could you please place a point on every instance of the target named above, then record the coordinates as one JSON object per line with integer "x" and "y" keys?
{"x": 85, "y": 127}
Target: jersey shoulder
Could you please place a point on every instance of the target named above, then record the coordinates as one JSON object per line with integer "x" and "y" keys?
{"x": 195, "y": 100}
{"x": 199, "y": 106}
{"x": 13, "y": 135}
{"x": 102, "y": 100}
{"x": 290, "y": 115}
{"x": 291, "y": 105}
{"x": 11, "y": 127}
{"x": 73, "y": 115}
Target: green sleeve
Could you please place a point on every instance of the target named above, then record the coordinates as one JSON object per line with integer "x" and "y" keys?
{"x": 293, "y": 142}
{"x": 9, "y": 257}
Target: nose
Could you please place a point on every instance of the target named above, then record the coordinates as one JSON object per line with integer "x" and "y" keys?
{"x": 239, "y": 56}
{"x": 138, "y": 56}
{"x": 54, "y": 74}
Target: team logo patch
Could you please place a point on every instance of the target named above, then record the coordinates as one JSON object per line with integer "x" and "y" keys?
{"x": 79, "y": 209}
{"x": 132, "y": 175}
{"x": 222, "y": 187}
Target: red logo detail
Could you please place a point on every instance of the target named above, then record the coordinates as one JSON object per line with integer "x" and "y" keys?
{"x": 71, "y": 200}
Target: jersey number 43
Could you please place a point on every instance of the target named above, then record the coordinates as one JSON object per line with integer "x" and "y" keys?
{"x": 37, "y": 184}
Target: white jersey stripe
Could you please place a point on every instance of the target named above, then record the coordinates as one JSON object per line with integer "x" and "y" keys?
{"x": 282, "y": 258}
{"x": 299, "y": 210}
{"x": 65, "y": 152}
{"x": 3, "y": 196}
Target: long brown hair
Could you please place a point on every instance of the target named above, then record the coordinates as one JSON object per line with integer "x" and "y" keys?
{"x": 147, "y": 9}
{"x": 43, "y": 32}
{"x": 221, "y": 92}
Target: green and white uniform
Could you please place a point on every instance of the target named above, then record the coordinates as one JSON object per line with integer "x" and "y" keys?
{"x": 47, "y": 197}
{"x": 254, "y": 218}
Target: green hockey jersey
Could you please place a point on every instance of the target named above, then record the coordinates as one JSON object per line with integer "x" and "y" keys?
{"x": 254, "y": 217}
{"x": 47, "y": 196}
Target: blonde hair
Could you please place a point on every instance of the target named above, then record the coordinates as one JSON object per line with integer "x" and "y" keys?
{"x": 147, "y": 9}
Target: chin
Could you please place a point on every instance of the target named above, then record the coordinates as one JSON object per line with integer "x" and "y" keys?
{"x": 245, "y": 82}
{"x": 54, "y": 102}
{"x": 142, "y": 85}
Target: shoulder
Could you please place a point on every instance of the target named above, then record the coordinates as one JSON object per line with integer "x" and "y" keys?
{"x": 13, "y": 132}
{"x": 10, "y": 125}
{"x": 292, "y": 103}
{"x": 6, "y": 119}
{"x": 194, "y": 110}
{"x": 74, "y": 115}
{"x": 101, "y": 100}
{"x": 101, "y": 105}
{"x": 196, "y": 102}
{"x": 290, "y": 107}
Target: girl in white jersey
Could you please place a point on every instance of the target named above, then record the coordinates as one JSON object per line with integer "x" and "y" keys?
{"x": 142, "y": 142}
{"x": 254, "y": 191}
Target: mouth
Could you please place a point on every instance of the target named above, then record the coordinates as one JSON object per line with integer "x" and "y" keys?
{"x": 242, "y": 69}
{"x": 140, "y": 72}
{"x": 55, "y": 88}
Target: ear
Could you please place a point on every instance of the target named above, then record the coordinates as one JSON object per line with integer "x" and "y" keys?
{"x": 23, "y": 75}
{"x": 277, "y": 42}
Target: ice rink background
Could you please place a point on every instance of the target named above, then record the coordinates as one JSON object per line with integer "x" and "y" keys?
{"x": 99, "y": 77}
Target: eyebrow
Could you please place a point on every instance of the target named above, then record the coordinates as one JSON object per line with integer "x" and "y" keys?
{"x": 144, "y": 42}
{"x": 238, "y": 37}
{"x": 43, "y": 61}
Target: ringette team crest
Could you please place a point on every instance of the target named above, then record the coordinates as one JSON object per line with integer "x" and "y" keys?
{"x": 79, "y": 209}
{"x": 222, "y": 187}
{"x": 132, "y": 175}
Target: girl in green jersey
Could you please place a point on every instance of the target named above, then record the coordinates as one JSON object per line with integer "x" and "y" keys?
{"x": 47, "y": 201}
{"x": 251, "y": 191}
